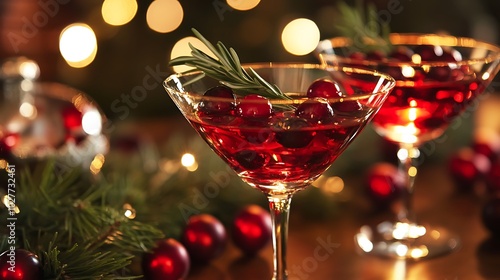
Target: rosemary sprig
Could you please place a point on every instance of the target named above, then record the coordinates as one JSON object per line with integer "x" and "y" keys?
{"x": 226, "y": 68}
{"x": 364, "y": 27}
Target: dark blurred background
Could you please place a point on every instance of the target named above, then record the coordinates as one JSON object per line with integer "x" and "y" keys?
{"x": 128, "y": 53}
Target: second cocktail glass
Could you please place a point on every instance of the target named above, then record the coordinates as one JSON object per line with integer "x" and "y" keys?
{"x": 437, "y": 78}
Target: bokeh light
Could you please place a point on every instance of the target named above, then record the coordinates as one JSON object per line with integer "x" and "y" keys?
{"x": 243, "y": 5}
{"x": 181, "y": 48}
{"x": 300, "y": 36}
{"x": 78, "y": 45}
{"x": 92, "y": 122}
{"x": 164, "y": 16}
{"x": 118, "y": 12}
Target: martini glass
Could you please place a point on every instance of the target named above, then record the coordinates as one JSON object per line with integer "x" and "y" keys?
{"x": 437, "y": 78}
{"x": 280, "y": 146}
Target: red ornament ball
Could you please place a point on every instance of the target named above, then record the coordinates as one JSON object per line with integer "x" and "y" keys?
{"x": 491, "y": 216}
{"x": 204, "y": 237}
{"x": 169, "y": 260}
{"x": 20, "y": 264}
{"x": 385, "y": 181}
{"x": 72, "y": 118}
{"x": 252, "y": 229}
{"x": 466, "y": 167}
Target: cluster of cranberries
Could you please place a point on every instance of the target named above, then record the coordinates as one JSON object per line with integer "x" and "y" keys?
{"x": 204, "y": 238}
{"x": 479, "y": 164}
{"x": 422, "y": 53}
{"x": 257, "y": 111}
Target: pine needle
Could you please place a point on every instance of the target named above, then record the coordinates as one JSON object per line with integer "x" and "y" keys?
{"x": 361, "y": 24}
{"x": 226, "y": 68}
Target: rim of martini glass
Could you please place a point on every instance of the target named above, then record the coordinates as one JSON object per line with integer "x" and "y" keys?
{"x": 410, "y": 39}
{"x": 388, "y": 82}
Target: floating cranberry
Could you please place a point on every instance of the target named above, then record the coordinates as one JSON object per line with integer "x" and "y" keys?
{"x": 292, "y": 135}
{"x": 324, "y": 88}
{"x": 314, "y": 110}
{"x": 347, "y": 107}
{"x": 451, "y": 55}
{"x": 254, "y": 106}
{"x": 429, "y": 52}
{"x": 440, "y": 73}
{"x": 257, "y": 135}
{"x": 220, "y": 106}
{"x": 357, "y": 56}
{"x": 401, "y": 53}
{"x": 249, "y": 159}
{"x": 375, "y": 55}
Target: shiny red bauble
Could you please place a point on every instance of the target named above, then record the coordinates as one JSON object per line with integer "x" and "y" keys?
{"x": 252, "y": 229}
{"x": 20, "y": 264}
{"x": 204, "y": 237}
{"x": 385, "y": 182}
{"x": 466, "y": 167}
{"x": 169, "y": 260}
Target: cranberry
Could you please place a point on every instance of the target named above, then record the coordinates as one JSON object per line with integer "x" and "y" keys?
{"x": 257, "y": 132}
{"x": 249, "y": 159}
{"x": 429, "y": 52}
{"x": 401, "y": 53}
{"x": 291, "y": 134}
{"x": 440, "y": 73}
{"x": 357, "y": 56}
{"x": 451, "y": 55}
{"x": 375, "y": 55}
{"x": 324, "y": 88}
{"x": 314, "y": 110}
{"x": 218, "y": 107}
{"x": 254, "y": 106}
{"x": 347, "y": 107}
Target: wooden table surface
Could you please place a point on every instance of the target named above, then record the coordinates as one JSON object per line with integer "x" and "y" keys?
{"x": 436, "y": 203}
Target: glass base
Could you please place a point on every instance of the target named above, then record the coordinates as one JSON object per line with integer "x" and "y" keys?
{"x": 405, "y": 241}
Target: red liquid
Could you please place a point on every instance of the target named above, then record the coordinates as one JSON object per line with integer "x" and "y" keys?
{"x": 270, "y": 157}
{"x": 416, "y": 112}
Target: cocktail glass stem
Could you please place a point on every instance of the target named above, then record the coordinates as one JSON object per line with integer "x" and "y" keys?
{"x": 280, "y": 210}
{"x": 407, "y": 155}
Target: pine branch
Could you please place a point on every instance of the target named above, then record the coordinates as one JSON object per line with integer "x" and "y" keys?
{"x": 361, "y": 24}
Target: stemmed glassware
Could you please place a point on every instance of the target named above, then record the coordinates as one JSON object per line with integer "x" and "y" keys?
{"x": 437, "y": 78}
{"x": 280, "y": 146}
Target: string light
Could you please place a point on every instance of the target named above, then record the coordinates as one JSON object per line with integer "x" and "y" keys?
{"x": 243, "y": 5}
{"x": 78, "y": 45}
{"x": 189, "y": 162}
{"x": 164, "y": 16}
{"x": 181, "y": 48}
{"x": 118, "y": 12}
{"x": 300, "y": 36}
